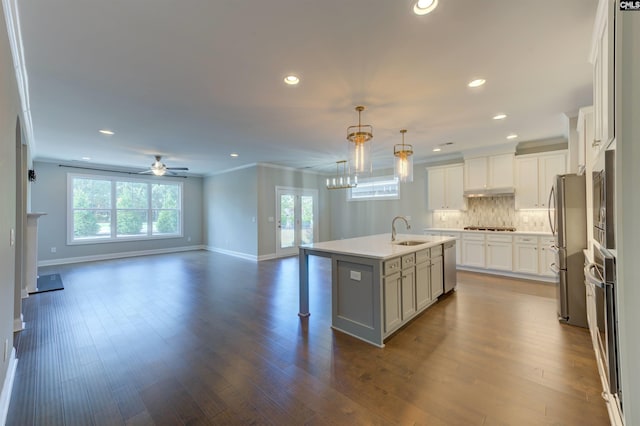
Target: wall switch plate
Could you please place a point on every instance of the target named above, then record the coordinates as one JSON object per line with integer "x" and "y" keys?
{"x": 12, "y": 237}
{"x": 6, "y": 350}
{"x": 53, "y": 249}
{"x": 355, "y": 275}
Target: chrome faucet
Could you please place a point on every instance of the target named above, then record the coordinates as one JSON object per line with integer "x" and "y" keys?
{"x": 393, "y": 226}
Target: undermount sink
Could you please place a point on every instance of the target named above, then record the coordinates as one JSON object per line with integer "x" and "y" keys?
{"x": 409, "y": 243}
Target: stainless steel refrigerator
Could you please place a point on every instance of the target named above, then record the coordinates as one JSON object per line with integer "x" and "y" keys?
{"x": 568, "y": 221}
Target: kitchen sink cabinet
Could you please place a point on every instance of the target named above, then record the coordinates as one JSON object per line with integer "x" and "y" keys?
{"x": 408, "y": 291}
{"x": 534, "y": 178}
{"x": 499, "y": 252}
{"x": 392, "y": 289}
{"x": 445, "y": 188}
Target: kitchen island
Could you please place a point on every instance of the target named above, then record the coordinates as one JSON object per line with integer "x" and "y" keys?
{"x": 377, "y": 285}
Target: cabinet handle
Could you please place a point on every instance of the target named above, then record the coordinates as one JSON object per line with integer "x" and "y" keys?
{"x": 596, "y": 142}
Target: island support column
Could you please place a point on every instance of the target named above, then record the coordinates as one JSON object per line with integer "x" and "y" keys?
{"x": 303, "y": 261}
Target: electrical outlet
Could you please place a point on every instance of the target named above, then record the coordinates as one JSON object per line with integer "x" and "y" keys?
{"x": 188, "y": 239}
{"x": 53, "y": 249}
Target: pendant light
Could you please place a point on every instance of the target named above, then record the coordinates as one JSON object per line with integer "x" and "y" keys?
{"x": 403, "y": 169}
{"x": 342, "y": 179}
{"x": 359, "y": 149}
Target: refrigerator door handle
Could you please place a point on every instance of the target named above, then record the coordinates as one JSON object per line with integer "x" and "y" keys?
{"x": 554, "y": 248}
{"x": 552, "y": 224}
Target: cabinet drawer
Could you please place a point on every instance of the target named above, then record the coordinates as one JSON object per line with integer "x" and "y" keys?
{"x": 423, "y": 255}
{"x": 436, "y": 251}
{"x": 499, "y": 238}
{"x": 391, "y": 266}
{"x": 547, "y": 241}
{"x": 526, "y": 239}
{"x": 468, "y": 236}
{"x": 408, "y": 260}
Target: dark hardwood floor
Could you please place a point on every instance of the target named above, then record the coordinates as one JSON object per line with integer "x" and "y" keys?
{"x": 204, "y": 338}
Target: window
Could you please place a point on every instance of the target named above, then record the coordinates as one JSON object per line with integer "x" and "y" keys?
{"x": 375, "y": 188}
{"x": 106, "y": 209}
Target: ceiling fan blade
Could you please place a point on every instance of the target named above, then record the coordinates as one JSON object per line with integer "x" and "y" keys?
{"x": 146, "y": 172}
{"x": 177, "y": 168}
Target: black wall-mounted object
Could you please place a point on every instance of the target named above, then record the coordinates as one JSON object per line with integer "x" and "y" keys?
{"x": 32, "y": 175}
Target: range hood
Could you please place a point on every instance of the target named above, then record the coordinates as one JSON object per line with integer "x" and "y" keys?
{"x": 490, "y": 192}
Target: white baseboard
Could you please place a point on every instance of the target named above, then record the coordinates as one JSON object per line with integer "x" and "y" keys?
{"x": 267, "y": 257}
{"x": 18, "y": 323}
{"x": 232, "y": 253}
{"x": 544, "y": 278}
{"x": 120, "y": 255}
{"x": 5, "y": 396}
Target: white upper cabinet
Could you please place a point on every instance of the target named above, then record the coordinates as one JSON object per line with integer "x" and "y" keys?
{"x": 495, "y": 171}
{"x": 444, "y": 188}
{"x": 534, "y": 178}
{"x": 585, "y": 137}
{"x": 602, "y": 59}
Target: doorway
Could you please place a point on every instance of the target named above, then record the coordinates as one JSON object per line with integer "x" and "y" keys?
{"x": 296, "y": 214}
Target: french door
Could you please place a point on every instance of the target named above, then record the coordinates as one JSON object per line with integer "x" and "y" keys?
{"x": 296, "y": 222}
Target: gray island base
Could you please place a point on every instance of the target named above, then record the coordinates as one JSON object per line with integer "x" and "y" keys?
{"x": 377, "y": 285}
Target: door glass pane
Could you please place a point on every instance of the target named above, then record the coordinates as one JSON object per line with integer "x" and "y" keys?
{"x": 306, "y": 210}
{"x": 287, "y": 221}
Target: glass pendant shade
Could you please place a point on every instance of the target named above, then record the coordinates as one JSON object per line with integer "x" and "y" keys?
{"x": 403, "y": 169}
{"x": 359, "y": 148}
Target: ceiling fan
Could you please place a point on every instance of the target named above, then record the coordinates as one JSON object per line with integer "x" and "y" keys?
{"x": 158, "y": 168}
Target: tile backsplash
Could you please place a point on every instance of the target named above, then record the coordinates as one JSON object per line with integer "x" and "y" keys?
{"x": 492, "y": 211}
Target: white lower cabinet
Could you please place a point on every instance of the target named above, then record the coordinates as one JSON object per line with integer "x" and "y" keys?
{"x": 473, "y": 250}
{"x": 437, "y": 277}
{"x": 546, "y": 256}
{"x": 423, "y": 278}
{"x": 408, "y": 292}
{"x": 525, "y": 254}
{"x": 392, "y": 286}
{"x": 500, "y": 252}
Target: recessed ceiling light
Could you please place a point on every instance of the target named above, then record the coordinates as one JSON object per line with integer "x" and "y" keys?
{"x": 477, "y": 82}
{"x": 437, "y": 149}
{"x": 422, "y": 7}
{"x": 107, "y": 132}
{"x": 86, "y": 158}
{"x": 512, "y": 136}
{"x": 234, "y": 154}
{"x": 500, "y": 116}
{"x": 292, "y": 80}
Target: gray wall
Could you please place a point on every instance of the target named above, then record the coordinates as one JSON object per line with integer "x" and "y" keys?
{"x": 9, "y": 111}
{"x": 359, "y": 218}
{"x": 628, "y": 207}
{"x": 231, "y": 211}
{"x": 49, "y": 195}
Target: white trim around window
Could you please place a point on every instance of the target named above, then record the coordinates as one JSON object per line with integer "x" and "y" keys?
{"x": 101, "y": 215}
{"x": 375, "y": 188}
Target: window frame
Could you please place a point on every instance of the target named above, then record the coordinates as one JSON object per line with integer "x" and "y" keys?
{"x": 114, "y": 238}
{"x": 374, "y": 180}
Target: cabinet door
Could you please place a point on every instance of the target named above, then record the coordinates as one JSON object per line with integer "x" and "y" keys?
{"x": 408, "y": 293}
{"x": 473, "y": 253}
{"x": 603, "y": 86}
{"x": 437, "y": 277}
{"x": 475, "y": 173}
{"x": 392, "y": 301}
{"x": 548, "y": 167}
{"x": 436, "y": 189}
{"x": 500, "y": 256}
{"x": 454, "y": 188}
{"x": 546, "y": 257}
{"x": 525, "y": 258}
{"x": 423, "y": 287}
{"x": 527, "y": 183}
{"x": 501, "y": 170}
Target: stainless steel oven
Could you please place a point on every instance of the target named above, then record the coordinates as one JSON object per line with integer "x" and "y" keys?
{"x": 604, "y": 200}
{"x": 601, "y": 276}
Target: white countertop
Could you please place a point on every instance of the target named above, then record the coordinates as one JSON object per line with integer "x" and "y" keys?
{"x": 540, "y": 233}
{"x": 377, "y": 246}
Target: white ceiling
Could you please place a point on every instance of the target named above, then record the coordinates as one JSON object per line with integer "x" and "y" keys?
{"x": 195, "y": 80}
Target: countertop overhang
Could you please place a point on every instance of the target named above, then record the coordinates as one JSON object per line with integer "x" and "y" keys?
{"x": 377, "y": 246}
{"x": 539, "y": 233}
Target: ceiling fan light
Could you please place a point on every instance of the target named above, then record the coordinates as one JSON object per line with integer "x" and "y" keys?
{"x": 159, "y": 172}
{"x": 423, "y": 7}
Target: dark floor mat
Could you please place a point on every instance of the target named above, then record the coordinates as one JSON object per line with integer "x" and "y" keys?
{"x": 49, "y": 283}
